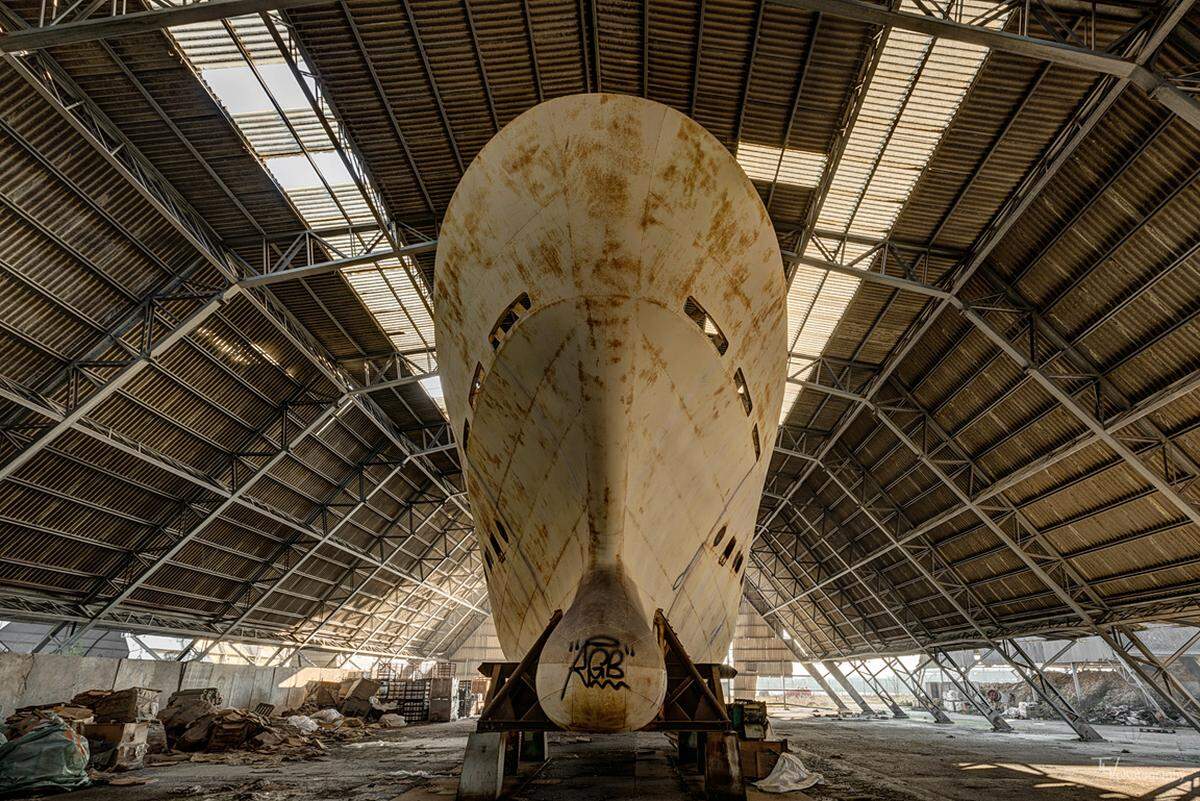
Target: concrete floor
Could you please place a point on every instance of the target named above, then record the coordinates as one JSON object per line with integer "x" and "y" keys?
{"x": 1039, "y": 761}
{"x": 876, "y": 760}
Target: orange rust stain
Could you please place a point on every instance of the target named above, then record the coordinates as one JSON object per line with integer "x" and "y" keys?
{"x": 548, "y": 257}
{"x": 522, "y": 157}
{"x": 607, "y": 193}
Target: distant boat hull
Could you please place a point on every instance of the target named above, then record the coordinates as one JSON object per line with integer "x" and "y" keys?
{"x": 610, "y": 308}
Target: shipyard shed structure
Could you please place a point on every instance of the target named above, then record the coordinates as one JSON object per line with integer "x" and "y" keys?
{"x": 225, "y": 227}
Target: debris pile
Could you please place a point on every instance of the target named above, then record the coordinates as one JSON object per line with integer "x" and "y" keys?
{"x": 126, "y": 706}
{"x": 193, "y": 721}
{"x": 101, "y": 732}
{"x": 354, "y": 698}
{"x": 42, "y": 753}
{"x": 1101, "y": 696}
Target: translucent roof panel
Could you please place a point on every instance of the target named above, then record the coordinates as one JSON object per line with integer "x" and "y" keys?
{"x": 776, "y": 165}
{"x": 914, "y": 94}
{"x": 271, "y": 109}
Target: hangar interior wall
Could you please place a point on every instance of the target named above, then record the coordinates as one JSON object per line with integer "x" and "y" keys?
{"x": 30, "y": 679}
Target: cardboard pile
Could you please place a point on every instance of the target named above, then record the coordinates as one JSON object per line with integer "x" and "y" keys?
{"x": 355, "y": 697}
{"x": 117, "y": 746}
{"x": 351, "y": 697}
{"x": 193, "y": 723}
{"x": 181, "y": 713}
{"x": 119, "y": 737}
{"x": 27, "y": 718}
{"x": 127, "y": 706}
{"x": 210, "y": 694}
{"x": 115, "y": 724}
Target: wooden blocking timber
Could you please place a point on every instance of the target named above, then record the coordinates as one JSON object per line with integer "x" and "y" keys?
{"x": 512, "y": 752}
{"x": 723, "y": 768}
{"x": 759, "y": 757}
{"x": 483, "y": 766}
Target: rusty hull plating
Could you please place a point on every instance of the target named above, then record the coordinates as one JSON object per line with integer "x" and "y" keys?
{"x": 610, "y": 308}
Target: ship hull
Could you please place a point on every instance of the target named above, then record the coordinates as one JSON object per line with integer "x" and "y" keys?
{"x": 611, "y": 340}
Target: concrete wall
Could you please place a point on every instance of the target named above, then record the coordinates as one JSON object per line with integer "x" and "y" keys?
{"x": 29, "y": 679}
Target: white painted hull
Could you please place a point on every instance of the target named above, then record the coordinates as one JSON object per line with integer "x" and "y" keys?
{"x": 606, "y": 437}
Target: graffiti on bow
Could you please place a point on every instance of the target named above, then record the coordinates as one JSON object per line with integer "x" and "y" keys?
{"x": 598, "y": 663}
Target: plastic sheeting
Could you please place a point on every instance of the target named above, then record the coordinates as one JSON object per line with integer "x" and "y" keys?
{"x": 52, "y": 756}
{"x": 788, "y": 776}
{"x": 304, "y": 723}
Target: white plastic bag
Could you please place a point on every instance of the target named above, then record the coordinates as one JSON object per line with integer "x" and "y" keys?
{"x": 393, "y": 721}
{"x": 304, "y": 723}
{"x": 330, "y": 715}
{"x": 788, "y": 776}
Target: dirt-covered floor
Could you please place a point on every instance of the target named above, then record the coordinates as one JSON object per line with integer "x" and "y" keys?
{"x": 867, "y": 760}
{"x": 1039, "y": 761}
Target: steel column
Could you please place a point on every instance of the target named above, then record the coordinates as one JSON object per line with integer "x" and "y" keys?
{"x": 841, "y": 679}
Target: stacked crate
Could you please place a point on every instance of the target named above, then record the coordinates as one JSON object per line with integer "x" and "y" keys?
{"x": 412, "y": 699}
{"x": 397, "y": 686}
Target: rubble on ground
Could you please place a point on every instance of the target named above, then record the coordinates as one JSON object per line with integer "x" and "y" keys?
{"x": 1105, "y": 697}
{"x": 124, "y": 730}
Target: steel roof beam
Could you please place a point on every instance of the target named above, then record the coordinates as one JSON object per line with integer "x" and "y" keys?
{"x": 829, "y": 624}
{"x": 60, "y": 92}
{"x": 360, "y": 589}
{"x": 1189, "y": 707}
{"x": 391, "y": 616}
{"x": 873, "y": 682}
{"x": 1058, "y": 153}
{"x": 963, "y": 682}
{"x": 811, "y": 627}
{"x": 29, "y": 400}
{"x": 73, "y": 417}
{"x": 1137, "y": 411}
{"x": 440, "y": 614}
{"x": 220, "y": 509}
{"x": 337, "y": 265}
{"x": 950, "y": 585}
{"x": 385, "y": 103}
{"x": 1034, "y": 372}
{"x": 133, "y": 23}
{"x": 48, "y": 610}
{"x": 277, "y": 585}
{"x": 1154, "y": 85}
{"x": 842, "y": 137}
{"x": 794, "y": 111}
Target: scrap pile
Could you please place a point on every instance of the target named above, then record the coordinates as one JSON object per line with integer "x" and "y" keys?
{"x": 1101, "y": 696}
{"x": 352, "y": 698}
{"x": 62, "y": 745}
{"x": 114, "y": 726}
{"x": 66, "y": 744}
{"x": 196, "y": 720}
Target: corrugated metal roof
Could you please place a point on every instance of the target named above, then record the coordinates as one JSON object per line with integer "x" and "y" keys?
{"x": 945, "y": 134}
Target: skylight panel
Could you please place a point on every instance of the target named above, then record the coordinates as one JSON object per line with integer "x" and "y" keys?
{"x": 914, "y": 94}
{"x": 240, "y": 92}
{"x": 775, "y": 165}
{"x": 209, "y": 47}
{"x": 268, "y": 138}
{"x": 311, "y": 171}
